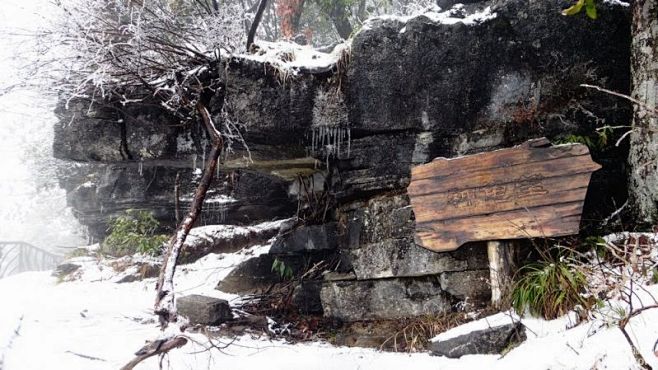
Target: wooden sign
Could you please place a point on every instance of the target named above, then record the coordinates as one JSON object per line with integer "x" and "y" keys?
{"x": 531, "y": 190}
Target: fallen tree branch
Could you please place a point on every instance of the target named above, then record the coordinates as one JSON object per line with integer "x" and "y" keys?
{"x": 157, "y": 347}
{"x": 622, "y": 326}
{"x": 165, "y": 306}
{"x": 636, "y": 352}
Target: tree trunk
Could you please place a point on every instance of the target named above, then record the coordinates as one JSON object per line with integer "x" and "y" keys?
{"x": 643, "y": 157}
{"x": 254, "y": 25}
{"x": 341, "y": 22}
{"x": 290, "y": 12}
{"x": 297, "y": 16}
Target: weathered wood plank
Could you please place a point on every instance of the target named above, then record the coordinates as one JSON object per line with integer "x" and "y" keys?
{"x": 503, "y": 174}
{"x": 501, "y": 198}
{"x": 530, "y": 151}
{"x": 532, "y": 190}
{"x": 502, "y": 265}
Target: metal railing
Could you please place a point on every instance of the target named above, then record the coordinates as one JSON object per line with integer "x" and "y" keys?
{"x": 17, "y": 257}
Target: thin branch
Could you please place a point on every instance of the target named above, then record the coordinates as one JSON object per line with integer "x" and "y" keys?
{"x": 623, "y": 96}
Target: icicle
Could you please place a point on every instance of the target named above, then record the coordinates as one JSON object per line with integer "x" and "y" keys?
{"x": 312, "y": 141}
{"x": 203, "y": 159}
{"x": 340, "y": 135}
{"x": 316, "y": 135}
{"x": 323, "y": 134}
{"x": 349, "y": 141}
{"x": 335, "y": 129}
{"x": 222, "y": 215}
{"x": 340, "y": 141}
{"x": 331, "y": 141}
{"x": 194, "y": 161}
{"x": 140, "y": 167}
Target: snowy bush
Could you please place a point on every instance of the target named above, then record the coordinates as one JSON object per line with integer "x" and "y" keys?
{"x": 120, "y": 47}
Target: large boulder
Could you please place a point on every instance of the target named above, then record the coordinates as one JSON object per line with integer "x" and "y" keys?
{"x": 307, "y": 238}
{"x": 383, "y": 298}
{"x": 378, "y": 242}
{"x": 203, "y": 310}
{"x": 87, "y": 133}
{"x": 512, "y": 63}
{"x": 100, "y": 192}
{"x": 490, "y": 335}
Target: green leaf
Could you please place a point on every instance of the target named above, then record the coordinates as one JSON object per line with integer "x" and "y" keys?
{"x": 574, "y": 9}
{"x": 590, "y": 9}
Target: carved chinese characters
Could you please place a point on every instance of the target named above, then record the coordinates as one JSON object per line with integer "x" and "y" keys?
{"x": 532, "y": 190}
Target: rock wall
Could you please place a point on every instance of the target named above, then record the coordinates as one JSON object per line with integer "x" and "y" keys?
{"x": 336, "y": 148}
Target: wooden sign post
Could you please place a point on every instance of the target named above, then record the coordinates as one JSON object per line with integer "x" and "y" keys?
{"x": 531, "y": 190}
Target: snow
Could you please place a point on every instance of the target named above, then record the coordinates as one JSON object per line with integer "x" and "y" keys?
{"x": 95, "y": 323}
{"x": 213, "y": 199}
{"x": 499, "y": 319}
{"x": 561, "y": 344}
{"x": 217, "y": 232}
{"x": 98, "y": 324}
{"x": 566, "y": 343}
{"x": 291, "y": 57}
{"x": 454, "y": 15}
{"x": 87, "y": 184}
{"x": 617, "y": 3}
{"x": 202, "y": 276}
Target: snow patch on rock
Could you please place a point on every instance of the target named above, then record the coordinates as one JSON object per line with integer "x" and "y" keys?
{"x": 454, "y": 15}
{"x": 617, "y": 3}
{"x": 291, "y": 57}
{"x": 499, "y": 319}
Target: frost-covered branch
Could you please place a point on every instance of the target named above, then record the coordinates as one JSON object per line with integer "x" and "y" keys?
{"x": 129, "y": 49}
{"x": 165, "y": 306}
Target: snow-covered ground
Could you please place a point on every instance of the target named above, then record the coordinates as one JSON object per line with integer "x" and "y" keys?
{"x": 95, "y": 323}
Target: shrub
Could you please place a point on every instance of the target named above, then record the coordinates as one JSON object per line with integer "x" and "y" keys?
{"x": 549, "y": 289}
{"x": 284, "y": 271}
{"x": 133, "y": 232}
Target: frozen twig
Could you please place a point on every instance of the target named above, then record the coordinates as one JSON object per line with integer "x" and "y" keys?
{"x": 623, "y": 96}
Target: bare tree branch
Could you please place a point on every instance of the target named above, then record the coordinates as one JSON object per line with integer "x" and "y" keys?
{"x": 165, "y": 306}
{"x": 623, "y": 96}
{"x": 154, "y": 348}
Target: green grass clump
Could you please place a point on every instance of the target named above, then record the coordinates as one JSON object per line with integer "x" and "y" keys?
{"x": 549, "y": 289}
{"x": 133, "y": 232}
